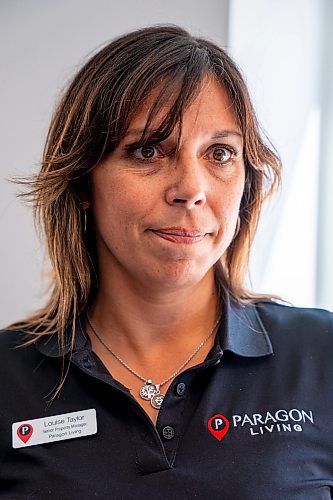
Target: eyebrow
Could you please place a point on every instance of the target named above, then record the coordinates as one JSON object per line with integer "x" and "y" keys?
{"x": 225, "y": 133}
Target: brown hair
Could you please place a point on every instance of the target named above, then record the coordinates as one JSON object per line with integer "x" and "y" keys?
{"x": 90, "y": 121}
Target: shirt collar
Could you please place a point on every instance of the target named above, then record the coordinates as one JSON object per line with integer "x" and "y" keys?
{"x": 241, "y": 332}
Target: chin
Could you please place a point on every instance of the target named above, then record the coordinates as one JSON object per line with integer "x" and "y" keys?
{"x": 181, "y": 274}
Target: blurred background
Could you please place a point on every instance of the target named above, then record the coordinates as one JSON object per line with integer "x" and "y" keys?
{"x": 285, "y": 50}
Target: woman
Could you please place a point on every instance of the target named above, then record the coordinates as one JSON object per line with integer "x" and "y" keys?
{"x": 152, "y": 372}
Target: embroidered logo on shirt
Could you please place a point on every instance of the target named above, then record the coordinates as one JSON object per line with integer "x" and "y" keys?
{"x": 276, "y": 421}
{"x": 218, "y": 426}
{"x": 261, "y": 423}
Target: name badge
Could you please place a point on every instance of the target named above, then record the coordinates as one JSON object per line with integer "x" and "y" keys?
{"x": 56, "y": 428}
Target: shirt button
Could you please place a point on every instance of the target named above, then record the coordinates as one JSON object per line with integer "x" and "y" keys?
{"x": 168, "y": 432}
{"x": 86, "y": 362}
{"x": 181, "y": 389}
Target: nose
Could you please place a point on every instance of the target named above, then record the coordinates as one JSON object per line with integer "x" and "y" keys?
{"x": 187, "y": 186}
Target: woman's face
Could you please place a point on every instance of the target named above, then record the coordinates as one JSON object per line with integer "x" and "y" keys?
{"x": 164, "y": 218}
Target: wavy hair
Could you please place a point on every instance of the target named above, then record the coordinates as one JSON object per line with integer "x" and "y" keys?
{"x": 90, "y": 120}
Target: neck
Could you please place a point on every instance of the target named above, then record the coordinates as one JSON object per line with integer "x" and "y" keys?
{"x": 130, "y": 319}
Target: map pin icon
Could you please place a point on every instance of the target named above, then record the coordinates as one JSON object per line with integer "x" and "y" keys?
{"x": 24, "y": 432}
{"x": 218, "y": 425}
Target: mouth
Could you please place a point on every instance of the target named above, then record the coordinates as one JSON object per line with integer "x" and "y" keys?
{"x": 180, "y": 235}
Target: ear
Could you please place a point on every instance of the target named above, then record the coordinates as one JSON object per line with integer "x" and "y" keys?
{"x": 83, "y": 192}
{"x": 84, "y": 197}
{"x": 85, "y": 204}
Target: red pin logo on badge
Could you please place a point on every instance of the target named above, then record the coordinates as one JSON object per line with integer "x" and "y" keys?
{"x": 218, "y": 425}
{"x": 24, "y": 432}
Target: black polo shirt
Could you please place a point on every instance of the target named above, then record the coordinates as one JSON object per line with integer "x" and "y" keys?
{"x": 254, "y": 421}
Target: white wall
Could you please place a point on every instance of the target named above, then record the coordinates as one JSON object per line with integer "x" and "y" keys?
{"x": 279, "y": 46}
{"x": 42, "y": 42}
{"x": 324, "y": 288}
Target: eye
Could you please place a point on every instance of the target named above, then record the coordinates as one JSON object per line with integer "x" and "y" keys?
{"x": 221, "y": 154}
{"x": 145, "y": 152}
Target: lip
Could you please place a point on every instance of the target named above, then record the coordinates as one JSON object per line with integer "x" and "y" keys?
{"x": 180, "y": 235}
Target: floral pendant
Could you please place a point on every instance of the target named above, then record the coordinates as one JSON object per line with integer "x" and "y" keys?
{"x": 151, "y": 392}
{"x": 157, "y": 400}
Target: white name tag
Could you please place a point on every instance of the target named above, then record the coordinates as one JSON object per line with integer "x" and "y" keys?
{"x": 55, "y": 428}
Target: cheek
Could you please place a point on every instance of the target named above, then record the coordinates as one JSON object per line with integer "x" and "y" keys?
{"x": 227, "y": 213}
{"x": 229, "y": 203}
{"x": 118, "y": 202}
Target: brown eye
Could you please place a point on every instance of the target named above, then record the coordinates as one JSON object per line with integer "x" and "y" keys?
{"x": 147, "y": 152}
{"x": 221, "y": 154}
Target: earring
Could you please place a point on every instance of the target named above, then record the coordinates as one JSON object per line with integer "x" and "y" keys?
{"x": 85, "y": 221}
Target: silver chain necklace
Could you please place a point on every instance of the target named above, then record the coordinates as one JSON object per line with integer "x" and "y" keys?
{"x": 150, "y": 391}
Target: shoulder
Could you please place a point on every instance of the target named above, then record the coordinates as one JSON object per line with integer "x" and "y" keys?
{"x": 11, "y": 339}
{"x": 15, "y": 351}
{"x": 286, "y": 323}
{"x": 287, "y": 316}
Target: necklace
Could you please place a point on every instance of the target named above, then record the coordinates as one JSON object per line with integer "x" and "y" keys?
{"x": 151, "y": 391}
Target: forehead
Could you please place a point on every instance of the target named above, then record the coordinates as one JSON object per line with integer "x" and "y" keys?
{"x": 211, "y": 107}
